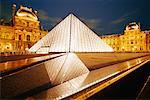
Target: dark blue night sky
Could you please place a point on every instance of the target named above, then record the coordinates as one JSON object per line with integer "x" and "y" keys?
{"x": 103, "y": 16}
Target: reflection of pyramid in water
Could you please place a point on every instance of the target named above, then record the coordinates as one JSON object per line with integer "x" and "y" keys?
{"x": 71, "y": 35}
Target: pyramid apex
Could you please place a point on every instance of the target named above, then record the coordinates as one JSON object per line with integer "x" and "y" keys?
{"x": 71, "y": 13}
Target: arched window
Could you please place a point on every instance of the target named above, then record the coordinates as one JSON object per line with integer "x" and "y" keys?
{"x": 28, "y": 37}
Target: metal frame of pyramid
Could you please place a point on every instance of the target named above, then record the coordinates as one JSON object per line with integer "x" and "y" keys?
{"x": 70, "y": 35}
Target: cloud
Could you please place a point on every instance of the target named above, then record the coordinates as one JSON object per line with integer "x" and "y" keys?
{"x": 93, "y": 23}
{"x": 47, "y": 19}
{"x": 118, "y": 21}
{"x": 129, "y": 13}
{"x": 123, "y": 18}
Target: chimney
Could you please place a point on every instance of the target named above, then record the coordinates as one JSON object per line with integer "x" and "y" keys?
{"x": 13, "y": 9}
{"x": 36, "y": 13}
{"x": 139, "y": 25}
{"x": 13, "y": 12}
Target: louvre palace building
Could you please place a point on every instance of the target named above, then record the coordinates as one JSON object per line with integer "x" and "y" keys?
{"x": 131, "y": 40}
{"x": 23, "y": 32}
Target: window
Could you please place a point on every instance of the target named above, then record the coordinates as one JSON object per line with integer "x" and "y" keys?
{"x": 117, "y": 48}
{"x": 7, "y": 36}
{"x": 141, "y": 48}
{"x": 24, "y": 23}
{"x": 27, "y": 23}
{"x": 28, "y": 37}
{"x": 19, "y": 37}
{"x": 29, "y": 46}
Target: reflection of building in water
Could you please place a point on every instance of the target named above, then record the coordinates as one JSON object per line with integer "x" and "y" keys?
{"x": 23, "y": 33}
{"x": 133, "y": 40}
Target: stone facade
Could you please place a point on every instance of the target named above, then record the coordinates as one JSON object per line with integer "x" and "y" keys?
{"x": 133, "y": 40}
{"x": 24, "y": 32}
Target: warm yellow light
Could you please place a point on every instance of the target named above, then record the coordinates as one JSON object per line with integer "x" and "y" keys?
{"x": 128, "y": 64}
{"x": 139, "y": 60}
{"x": 8, "y": 46}
{"x": 26, "y": 14}
{"x": 26, "y": 49}
{"x": 135, "y": 47}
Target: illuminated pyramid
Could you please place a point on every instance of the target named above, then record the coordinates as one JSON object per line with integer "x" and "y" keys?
{"x": 70, "y": 35}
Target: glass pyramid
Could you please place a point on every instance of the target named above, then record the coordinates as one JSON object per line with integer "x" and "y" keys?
{"x": 70, "y": 35}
